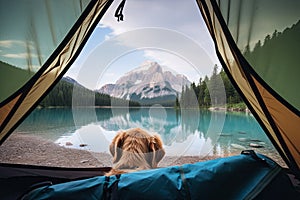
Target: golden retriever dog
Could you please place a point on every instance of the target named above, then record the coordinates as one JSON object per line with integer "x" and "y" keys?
{"x": 135, "y": 149}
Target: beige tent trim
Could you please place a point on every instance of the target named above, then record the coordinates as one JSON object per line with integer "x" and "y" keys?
{"x": 286, "y": 121}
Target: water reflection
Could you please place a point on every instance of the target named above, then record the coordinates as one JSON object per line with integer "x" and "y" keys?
{"x": 184, "y": 132}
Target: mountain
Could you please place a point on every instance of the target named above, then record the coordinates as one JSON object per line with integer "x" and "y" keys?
{"x": 146, "y": 84}
{"x": 63, "y": 95}
{"x": 72, "y": 81}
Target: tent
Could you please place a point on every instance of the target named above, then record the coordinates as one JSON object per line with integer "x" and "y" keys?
{"x": 265, "y": 74}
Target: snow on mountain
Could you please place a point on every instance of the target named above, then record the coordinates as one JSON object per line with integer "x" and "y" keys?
{"x": 69, "y": 80}
{"x": 148, "y": 81}
{"x": 72, "y": 81}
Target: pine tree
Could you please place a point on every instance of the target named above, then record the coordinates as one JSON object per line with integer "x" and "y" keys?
{"x": 177, "y": 105}
{"x": 206, "y": 98}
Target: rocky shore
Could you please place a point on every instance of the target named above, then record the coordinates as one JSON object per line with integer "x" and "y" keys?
{"x": 33, "y": 150}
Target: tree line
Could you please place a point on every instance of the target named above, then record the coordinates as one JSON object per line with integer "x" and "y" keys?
{"x": 63, "y": 95}
{"x": 215, "y": 90}
{"x": 276, "y": 50}
{"x": 267, "y": 56}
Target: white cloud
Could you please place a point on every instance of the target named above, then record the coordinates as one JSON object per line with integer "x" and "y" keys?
{"x": 12, "y": 43}
{"x": 9, "y": 43}
{"x": 19, "y": 55}
{"x": 107, "y": 77}
{"x": 175, "y": 27}
{"x": 176, "y": 64}
{"x": 107, "y": 37}
{"x": 176, "y": 14}
{"x": 181, "y": 16}
{"x": 15, "y": 49}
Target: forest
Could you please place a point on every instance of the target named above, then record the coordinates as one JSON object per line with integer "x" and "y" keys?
{"x": 217, "y": 87}
{"x": 266, "y": 57}
{"x": 62, "y": 96}
{"x": 215, "y": 90}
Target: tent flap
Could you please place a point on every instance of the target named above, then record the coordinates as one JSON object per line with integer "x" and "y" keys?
{"x": 22, "y": 102}
{"x": 237, "y": 28}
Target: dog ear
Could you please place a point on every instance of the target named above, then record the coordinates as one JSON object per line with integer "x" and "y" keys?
{"x": 157, "y": 151}
{"x": 115, "y": 147}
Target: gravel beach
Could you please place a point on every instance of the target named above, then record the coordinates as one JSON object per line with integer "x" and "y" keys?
{"x": 33, "y": 150}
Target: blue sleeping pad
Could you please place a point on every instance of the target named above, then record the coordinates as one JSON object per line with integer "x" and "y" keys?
{"x": 245, "y": 176}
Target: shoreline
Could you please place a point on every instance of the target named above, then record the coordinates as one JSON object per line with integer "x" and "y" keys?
{"x": 227, "y": 108}
{"x": 34, "y": 150}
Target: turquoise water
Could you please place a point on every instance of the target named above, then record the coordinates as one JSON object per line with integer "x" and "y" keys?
{"x": 184, "y": 132}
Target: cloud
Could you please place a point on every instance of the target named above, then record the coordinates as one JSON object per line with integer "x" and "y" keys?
{"x": 19, "y": 55}
{"x": 170, "y": 32}
{"x": 10, "y": 47}
{"x": 177, "y": 64}
{"x": 9, "y": 43}
{"x": 13, "y": 43}
{"x": 180, "y": 16}
{"x": 107, "y": 37}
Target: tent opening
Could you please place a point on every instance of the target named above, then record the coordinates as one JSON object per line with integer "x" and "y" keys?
{"x": 91, "y": 90}
{"x": 159, "y": 73}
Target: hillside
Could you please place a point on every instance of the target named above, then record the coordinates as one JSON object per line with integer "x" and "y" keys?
{"x": 11, "y": 79}
{"x": 62, "y": 95}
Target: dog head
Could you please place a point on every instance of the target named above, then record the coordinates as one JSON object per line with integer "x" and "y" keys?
{"x": 136, "y": 148}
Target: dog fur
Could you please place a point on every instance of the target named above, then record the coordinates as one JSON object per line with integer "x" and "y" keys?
{"x": 135, "y": 149}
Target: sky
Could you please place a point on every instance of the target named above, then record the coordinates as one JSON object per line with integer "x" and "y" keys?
{"x": 172, "y": 34}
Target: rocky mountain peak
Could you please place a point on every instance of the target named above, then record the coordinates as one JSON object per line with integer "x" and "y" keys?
{"x": 155, "y": 68}
{"x": 150, "y": 80}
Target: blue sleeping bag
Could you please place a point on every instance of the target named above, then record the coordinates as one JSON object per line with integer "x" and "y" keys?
{"x": 246, "y": 176}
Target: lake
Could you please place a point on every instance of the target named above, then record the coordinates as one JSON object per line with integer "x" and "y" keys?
{"x": 185, "y": 132}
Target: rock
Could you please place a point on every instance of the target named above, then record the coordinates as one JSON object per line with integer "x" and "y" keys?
{"x": 261, "y": 143}
{"x": 148, "y": 81}
{"x": 242, "y": 139}
{"x": 255, "y": 145}
{"x": 255, "y": 140}
{"x": 69, "y": 143}
{"x": 237, "y": 146}
{"x": 83, "y": 145}
{"x": 225, "y": 134}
